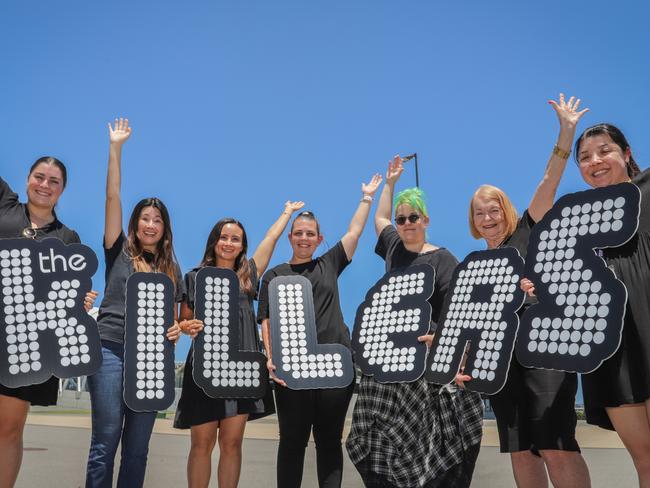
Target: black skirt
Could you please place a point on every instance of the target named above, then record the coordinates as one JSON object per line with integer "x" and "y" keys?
{"x": 196, "y": 408}
{"x": 624, "y": 378}
{"x": 43, "y": 394}
{"x": 536, "y": 410}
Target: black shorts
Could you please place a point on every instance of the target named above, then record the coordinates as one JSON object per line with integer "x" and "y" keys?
{"x": 536, "y": 410}
{"x": 44, "y": 394}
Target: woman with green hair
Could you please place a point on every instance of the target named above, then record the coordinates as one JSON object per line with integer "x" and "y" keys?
{"x": 414, "y": 434}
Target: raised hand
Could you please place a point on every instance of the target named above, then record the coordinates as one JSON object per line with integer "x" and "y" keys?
{"x": 567, "y": 111}
{"x": 120, "y": 132}
{"x": 395, "y": 168}
{"x": 290, "y": 207}
{"x": 371, "y": 188}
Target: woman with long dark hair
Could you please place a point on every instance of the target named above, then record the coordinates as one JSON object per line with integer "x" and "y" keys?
{"x": 147, "y": 247}
{"x": 216, "y": 419}
{"x": 323, "y": 411}
{"x": 36, "y": 219}
{"x": 617, "y": 394}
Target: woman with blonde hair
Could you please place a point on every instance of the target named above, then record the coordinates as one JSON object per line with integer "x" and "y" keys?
{"x": 535, "y": 410}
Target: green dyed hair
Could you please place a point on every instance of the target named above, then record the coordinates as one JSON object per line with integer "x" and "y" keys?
{"x": 413, "y": 197}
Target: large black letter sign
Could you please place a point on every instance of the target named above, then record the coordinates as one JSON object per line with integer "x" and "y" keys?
{"x": 389, "y": 321}
{"x": 481, "y": 309}
{"x": 579, "y": 319}
{"x": 301, "y": 362}
{"x": 220, "y": 368}
{"x": 44, "y": 329}
{"x": 148, "y": 354}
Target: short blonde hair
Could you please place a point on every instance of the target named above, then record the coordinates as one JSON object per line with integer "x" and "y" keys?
{"x": 509, "y": 210}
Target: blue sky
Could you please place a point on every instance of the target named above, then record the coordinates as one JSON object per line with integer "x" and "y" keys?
{"x": 239, "y": 106}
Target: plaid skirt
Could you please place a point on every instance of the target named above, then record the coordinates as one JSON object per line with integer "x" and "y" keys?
{"x": 412, "y": 433}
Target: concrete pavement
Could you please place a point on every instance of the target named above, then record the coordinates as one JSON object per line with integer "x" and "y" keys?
{"x": 56, "y": 448}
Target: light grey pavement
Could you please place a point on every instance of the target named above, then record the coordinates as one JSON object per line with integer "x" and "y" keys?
{"x": 56, "y": 456}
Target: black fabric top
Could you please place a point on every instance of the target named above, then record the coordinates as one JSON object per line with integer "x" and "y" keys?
{"x": 323, "y": 274}
{"x": 625, "y": 377}
{"x": 118, "y": 269}
{"x": 391, "y": 248}
{"x": 519, "y": 240}
{"x": 14, "y": 217}
{"x": 248, "y": 335}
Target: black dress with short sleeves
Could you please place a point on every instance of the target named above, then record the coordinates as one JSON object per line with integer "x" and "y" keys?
{"x": 625, "y": 377}
{"x": 14, "y": 217}
{"x": 535, "y": 409}
{"x": 194, "y": 406}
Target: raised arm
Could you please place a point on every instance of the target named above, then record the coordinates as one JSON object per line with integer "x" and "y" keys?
{"x": 360, "y": 217}
{"x": 264, "y": 251}
{"x": 385, "y": 205}
{"x": 113, "y": 223}
{"x": 568, "y": 116}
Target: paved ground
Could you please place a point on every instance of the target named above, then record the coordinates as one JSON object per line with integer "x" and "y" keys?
{"x": 56, "y": 447}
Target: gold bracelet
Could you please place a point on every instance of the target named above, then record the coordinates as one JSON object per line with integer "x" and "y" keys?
{"x": 561, "y": 153}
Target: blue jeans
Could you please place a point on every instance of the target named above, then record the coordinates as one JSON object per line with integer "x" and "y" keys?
{"x": 114, "y": 421}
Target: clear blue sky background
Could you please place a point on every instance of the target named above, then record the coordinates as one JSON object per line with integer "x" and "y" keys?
{"x": 239, "y": 106}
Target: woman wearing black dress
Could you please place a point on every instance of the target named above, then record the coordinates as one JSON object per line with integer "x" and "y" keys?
{"x": 35, "y": 219}
{"x": 617, "y": 394}
{"x": 212, "y": 418}
{"x": 320, "y": 410}
{"x": 535, "y": 410}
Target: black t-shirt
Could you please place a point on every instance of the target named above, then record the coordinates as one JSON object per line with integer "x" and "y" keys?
{"x": 391, "y": 248}
{"x": 112, "y": 310}
{"x": 14, "y": 217}
{"x": 323, "y": 274}
{"x": 519, "y": 240}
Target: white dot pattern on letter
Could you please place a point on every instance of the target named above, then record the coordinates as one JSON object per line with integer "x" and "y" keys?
{"x": 52, "y": 334}
{"x": 220, "y": 368}
{"x": 394, "y": 314}
{"x": 580, "y": 300}
{"x": 149, "y": 356}
{"x": 299, "y": 359}
{"x": 480, "y": 308}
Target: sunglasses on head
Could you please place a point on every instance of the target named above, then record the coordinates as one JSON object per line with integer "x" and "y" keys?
{"x": 401, "y": 219}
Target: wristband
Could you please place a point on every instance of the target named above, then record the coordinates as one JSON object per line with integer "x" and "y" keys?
{"x": 561, "y": 153}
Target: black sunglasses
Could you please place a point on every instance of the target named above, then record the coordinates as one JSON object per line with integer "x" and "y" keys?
{"x": 401, "y": 219}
